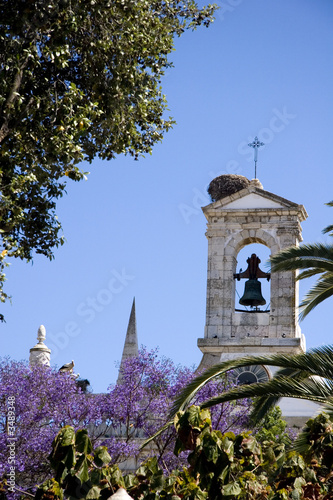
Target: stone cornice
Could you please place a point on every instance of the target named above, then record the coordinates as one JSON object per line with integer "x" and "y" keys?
{"x": 219, "y": 208}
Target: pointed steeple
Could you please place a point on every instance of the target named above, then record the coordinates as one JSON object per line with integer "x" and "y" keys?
{"x": 131, "y": 348}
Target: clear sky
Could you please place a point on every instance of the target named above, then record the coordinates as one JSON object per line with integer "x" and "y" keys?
{"x": 136, "y": 228}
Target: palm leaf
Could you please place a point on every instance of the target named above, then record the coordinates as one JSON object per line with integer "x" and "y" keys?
{"x": 291, "y": 372}
{"x": 295, "y": 264}
{"x": 158, "y": 433}
{"x": 322, "y": 290}
{"x": 311, "y": 389}
{"x": 315, "y": 362}
{"x": 315, "y": 259}
{"x": 263, "y": 404}
{"x": 328, "y": 229}
{"x": 305, "y": 256}
{"x": 328, "y": 407}
{"x": 308, "y": 273}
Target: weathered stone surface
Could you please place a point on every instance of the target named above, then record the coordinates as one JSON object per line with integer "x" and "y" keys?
{"x": 250, "y": 215}
{"x": 131, "y": 348}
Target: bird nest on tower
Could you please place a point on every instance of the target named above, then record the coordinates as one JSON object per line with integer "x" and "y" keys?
{"x": 225, "y": 185}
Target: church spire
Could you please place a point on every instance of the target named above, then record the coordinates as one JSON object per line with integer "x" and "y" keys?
{"x": 131, "y": 348}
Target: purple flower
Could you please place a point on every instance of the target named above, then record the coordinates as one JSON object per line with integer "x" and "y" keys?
{"x": 44, "y": 400}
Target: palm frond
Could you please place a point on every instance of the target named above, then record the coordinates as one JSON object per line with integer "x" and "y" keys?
{"x": 319, "y": 264}
{"x": 317, "y": 361}
{"x": 311, "y": 389}
{"x": 301, "y": 444}
{"x": 158, "y": 433}
{"x": 188, "y": 393}
{"x": 328, "y": 229}
{"x": 316, "y": 250}
{"x": 322, "y": 290}
{"x": 291, "y": 372}
{"x": 328, "y": 407}
{"x": 303, "y": 257}
{"x": 263, "y": 404}
{"x": 308, "y": 273}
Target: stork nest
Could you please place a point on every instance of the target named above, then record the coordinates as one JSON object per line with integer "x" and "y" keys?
{"x": 225, "y": 185}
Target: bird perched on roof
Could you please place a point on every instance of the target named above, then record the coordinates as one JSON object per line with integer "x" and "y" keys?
{"x": 67, "y": 367}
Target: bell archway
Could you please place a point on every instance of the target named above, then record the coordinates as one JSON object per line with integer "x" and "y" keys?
{"x": 253, "y": 289}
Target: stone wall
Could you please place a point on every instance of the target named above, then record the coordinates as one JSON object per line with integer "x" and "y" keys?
{"x": 250, "y": 216}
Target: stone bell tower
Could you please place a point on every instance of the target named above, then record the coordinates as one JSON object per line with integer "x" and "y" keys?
{"x": 245, "y": 213}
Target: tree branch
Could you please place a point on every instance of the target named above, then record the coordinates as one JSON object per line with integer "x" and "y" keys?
{"x": 25, "y": 492}
{"x": 13, "y": 95}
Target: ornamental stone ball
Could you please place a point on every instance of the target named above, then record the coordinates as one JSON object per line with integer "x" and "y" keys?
{"x": 225, "y": 185}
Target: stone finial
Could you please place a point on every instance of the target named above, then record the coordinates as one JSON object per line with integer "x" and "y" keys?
{"x": 40, "y": 353}
{"x": 256, "y": 183}
{"x": 41, "y": 335}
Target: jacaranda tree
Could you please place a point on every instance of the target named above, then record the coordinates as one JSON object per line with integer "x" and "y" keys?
{"x": 44, "y": 400}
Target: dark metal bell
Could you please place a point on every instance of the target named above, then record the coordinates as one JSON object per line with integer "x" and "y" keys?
{"x": 252, "y": 294}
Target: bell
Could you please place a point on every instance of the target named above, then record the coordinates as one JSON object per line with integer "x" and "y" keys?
{"x": 252, "y": 294}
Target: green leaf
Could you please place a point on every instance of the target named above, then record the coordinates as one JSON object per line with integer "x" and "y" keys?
{"x": 82, "y": 469}
{"x": 101, "y": 456}
{"x": 82, "y": 442}
{"x": 157, "y": 482}
{"x": 231, "y": 489}
{"x": 299, "y": 482}
{"x": 228, "y": 446}
{"x": 93, "y": 493}
{"x": 65, "y": 437}
{"x": 95, "y": 476}
{"x": 50, "y": 485}
{"x": 69, "y": 459}
{"x": 223, "y": 475}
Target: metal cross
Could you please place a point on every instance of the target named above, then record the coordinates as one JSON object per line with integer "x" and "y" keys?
{"x": 256, "y": 144}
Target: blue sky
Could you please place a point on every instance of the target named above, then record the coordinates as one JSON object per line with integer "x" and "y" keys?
{"x": 136, "y": 228}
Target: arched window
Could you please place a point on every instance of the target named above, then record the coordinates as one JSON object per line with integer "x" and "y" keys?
{"x": 263, "y": 252}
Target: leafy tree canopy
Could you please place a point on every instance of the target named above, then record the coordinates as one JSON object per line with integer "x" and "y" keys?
{"x": 78, "y": 78}
{"x": 220, "y": 466}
